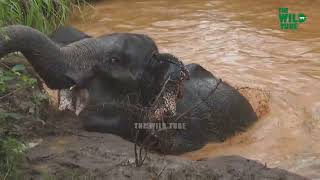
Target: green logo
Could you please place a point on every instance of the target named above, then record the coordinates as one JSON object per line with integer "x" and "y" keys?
{"x": 289, "y": 20}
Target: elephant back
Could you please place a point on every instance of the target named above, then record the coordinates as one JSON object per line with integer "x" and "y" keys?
{"x": 221, "y": 114}
{"x": 65, "y": 35}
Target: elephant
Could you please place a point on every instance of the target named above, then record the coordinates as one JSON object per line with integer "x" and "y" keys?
{"x": 228, "y": 110}
{"x": 212, "y": 110}
{"x": 71, "y": 63}
{"x": 122, "y": 69}
{"x": 62, "y": 67}
{"x": 65, "y": 35}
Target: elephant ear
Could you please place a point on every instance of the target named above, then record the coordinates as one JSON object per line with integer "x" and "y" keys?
{"x": 65, "y": 35}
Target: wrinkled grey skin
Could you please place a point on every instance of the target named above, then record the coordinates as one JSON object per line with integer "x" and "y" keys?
{"x": 65, "y": 35}
{"x": 221, "y": 116}
{"x": 64, "y": 66}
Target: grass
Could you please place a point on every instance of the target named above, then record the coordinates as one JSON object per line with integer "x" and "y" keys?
{"x": 44, "y": 15}
{"x": 11, "y": 158}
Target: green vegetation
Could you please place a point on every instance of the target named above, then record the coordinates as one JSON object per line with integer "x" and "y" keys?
{"x": 11, "y": 158}
{"x": 44, "y": 15}
{"x": 12, "y": 81}
{"x": 16, "y": 74}
{"x": 11, "y": 149}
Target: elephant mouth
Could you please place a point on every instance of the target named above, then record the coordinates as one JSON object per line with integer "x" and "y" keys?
{"x": 73, "y": 100}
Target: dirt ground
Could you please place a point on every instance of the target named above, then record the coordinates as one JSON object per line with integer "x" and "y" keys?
{"x": 104, "y": 156}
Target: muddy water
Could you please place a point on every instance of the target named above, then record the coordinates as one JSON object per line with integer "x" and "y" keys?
{"x": 241, "y": 42}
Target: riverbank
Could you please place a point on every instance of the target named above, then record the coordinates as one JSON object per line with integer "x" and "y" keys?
{"x": 84, "y": 155}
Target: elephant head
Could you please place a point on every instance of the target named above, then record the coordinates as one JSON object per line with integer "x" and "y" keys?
{"x": 63, "y": 67}
{"x": 75, "y": 64}
{"x": 151, "y": 73}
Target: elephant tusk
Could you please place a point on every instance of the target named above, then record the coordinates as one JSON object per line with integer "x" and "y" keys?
{"x": 72, "y": 87}
{"x": 82, "y": 99}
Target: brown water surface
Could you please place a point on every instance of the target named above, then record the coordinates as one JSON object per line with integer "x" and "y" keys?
{"x": 241, "y": 42}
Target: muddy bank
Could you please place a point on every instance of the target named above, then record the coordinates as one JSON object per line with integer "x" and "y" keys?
{"x": 104, "y": 156}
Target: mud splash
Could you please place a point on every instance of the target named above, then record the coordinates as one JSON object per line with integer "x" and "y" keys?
{"x": 241, "y": 42}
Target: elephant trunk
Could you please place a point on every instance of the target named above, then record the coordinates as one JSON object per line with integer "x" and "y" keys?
{"x": 50, "y": 61}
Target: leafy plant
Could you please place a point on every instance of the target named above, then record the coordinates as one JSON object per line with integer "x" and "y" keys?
{"x": 17, "y": 74}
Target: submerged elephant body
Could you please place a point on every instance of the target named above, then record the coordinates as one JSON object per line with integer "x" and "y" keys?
{"x": 115, "y": 70}
{"x": 219, "y": 115}
{"x": 66, "y": 35}
{"x": 216, "y": 117}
